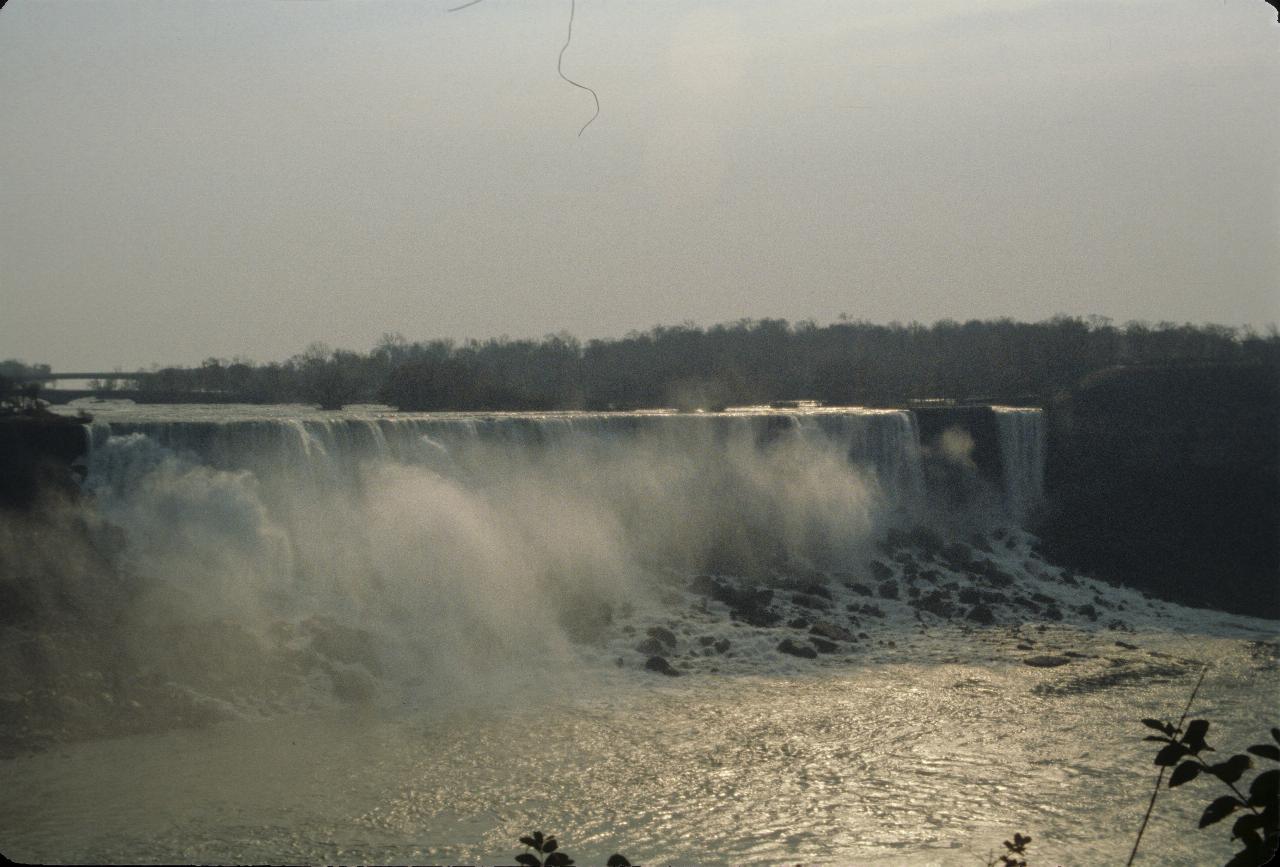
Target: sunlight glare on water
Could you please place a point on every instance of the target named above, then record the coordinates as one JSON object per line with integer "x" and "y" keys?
{"x": 901, "y": 762}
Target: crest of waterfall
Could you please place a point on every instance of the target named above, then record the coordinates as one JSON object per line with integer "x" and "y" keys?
{"x": 318, "y": 450}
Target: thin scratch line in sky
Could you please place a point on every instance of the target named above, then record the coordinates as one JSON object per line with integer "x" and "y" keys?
{"x": 559, "y": 60}
{"x": 559, "y": 69}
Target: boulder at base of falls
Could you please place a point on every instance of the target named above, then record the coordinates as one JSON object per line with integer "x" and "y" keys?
{"x": 981, "y": 614}
{"x": 661, "y": 666}
{"x": 664, "y": 635}
{"x": 822, "y": 645}
{"x": 790, "y": 647}
{"x": 651, "y": 647}
{"x": 937, "y": 602}
{"x": 1046, "y": 661}
{"x": 830, "y": 631}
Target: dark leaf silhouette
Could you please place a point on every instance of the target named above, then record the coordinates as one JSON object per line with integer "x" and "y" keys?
{"x": 528, "y": 860}
{"x": 1219, "y": 810}
{"x": 1247, "y": 824}
{"x": 1158, "y": 725}
{"x": 558, "y": 859}
{"x": 1170, "y": 755}
{"x": 1266, "y": 751}
{"x": 1264, "y": 790}
{"x": 616, "y": 860}
{"x": 528, "y": 841}
{"x": 1184, "y": 773}
{"x": 1232, "y": 769}
{"x": 551, "y": 845}
{"x": 1250, "y": 857}
{"x": 1275, "y": 735}
{"x": 1196, "y": 730}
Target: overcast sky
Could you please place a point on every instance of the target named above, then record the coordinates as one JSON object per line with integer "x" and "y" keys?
{"x": 183, "y": 180}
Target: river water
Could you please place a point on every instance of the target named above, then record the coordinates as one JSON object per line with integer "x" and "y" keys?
{"x": 920, "y": 739}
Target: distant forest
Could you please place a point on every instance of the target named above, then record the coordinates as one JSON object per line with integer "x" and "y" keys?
{"x": 689, "y": 367}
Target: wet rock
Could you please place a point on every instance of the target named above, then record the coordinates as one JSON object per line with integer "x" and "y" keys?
{"x": 1025, "y": 646}
{"x": 981, "y": 614}
{"x": 957, "y": 555}
{"x": 926, "y": 540}
{"x": 937, "y": 602}
{"x": 666, "y": 636}
{"x": 756, "y": 616}
{"x": 860, "y": 589}
{"x": 880, "y": 571}
{"x": 869, "y": 610}
{"x": 988, "y": 571}
{"x": 1046, "y": 661}
{"x": 722, "y": 646}
{"x": 808, "y": 587}
{"x": 830, "y": 631}
{"x": 888, "y": 590}
{"x": 798, "y": 623}
{"x": 790, "y": 647}
{"x": 703, "y": 585}
{"x": 893, "y": 540}
{"x": 933, "y": 576}
{"x": 706, "y": 640}
{"x": 815, "y": 603}
{"x": 660, "y": 665}
{"x": 979, "y": 542}
{"x": 822, "y": 645}
{"x": 970, "y": 596}
{"x": 1126, "y": 645}
{"x": 651, "y": 647}
{"x": 1088, "y": 611}
{"x": 1053, "y": 612}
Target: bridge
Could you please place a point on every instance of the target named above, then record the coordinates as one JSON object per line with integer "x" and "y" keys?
{"x": 115, "y": 374}
{"x": 138, "y": 393}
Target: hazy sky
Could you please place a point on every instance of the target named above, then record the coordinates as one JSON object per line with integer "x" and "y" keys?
{"x": 180, "y": 180}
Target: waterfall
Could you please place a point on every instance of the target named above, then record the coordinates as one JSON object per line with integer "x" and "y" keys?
{"x": 1022, "y": 455}
{"x": 459, "y": 517}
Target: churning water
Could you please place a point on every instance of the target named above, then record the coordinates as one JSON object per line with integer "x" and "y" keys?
{"x": 415, "y": 638}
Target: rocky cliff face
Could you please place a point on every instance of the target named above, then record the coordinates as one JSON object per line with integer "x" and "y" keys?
{"x": 1167, "y": 478}
{"x": 36, "y": 454}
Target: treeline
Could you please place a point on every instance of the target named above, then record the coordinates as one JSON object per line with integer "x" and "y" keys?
{"x": 745, "y": 362}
